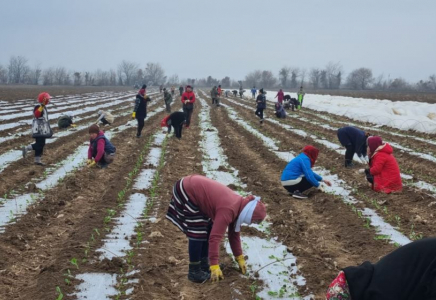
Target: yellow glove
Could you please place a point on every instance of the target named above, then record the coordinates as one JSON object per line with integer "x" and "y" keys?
{"x": 73, "y": 125}
{"x": 215, "y": 273}
{"x": 92, "y": 164}
{"x": 133, "y": 115}
{"x": 41, "y": 107}
{"x": 241, "y": 262}
{"x": 88, "y": 161}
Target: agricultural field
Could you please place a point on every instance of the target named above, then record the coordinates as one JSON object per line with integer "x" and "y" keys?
{"x": 69, "y": 232}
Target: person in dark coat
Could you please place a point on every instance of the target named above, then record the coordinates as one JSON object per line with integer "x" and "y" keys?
{"x": 176, "y": 120}
{"x": 354, "y": 141}
{"x": 181, "y": 90}
{"x": 261, "y": 105}
{"x": 66, "y": 120}
{"x": 407, "y": 273}
{"x": 280, "y": 111}
{"x": 168, "y": 100}
{"x": 235, "y": 93}
{"x": 140, "y": 110}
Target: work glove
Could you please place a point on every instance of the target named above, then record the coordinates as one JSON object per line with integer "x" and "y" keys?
{"x": 73, "y": 125}
{"x": 215, "y": 273}
{"x": 41, "y": 107}
{"x": 92, "y": 164}
{"x": 321, "y": 188}
{"x": 133, "y": 115}
{"x": 88, "y": 161}
{"x": 241, "y": 262}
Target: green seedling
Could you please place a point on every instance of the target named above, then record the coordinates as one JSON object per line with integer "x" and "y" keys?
{"x": 253, "y": 287}
{"x": 73, "y": 261}
{"x": 367, "y": 223}
{"x": 398, "y": 220}
{"x": 60, "y": 294}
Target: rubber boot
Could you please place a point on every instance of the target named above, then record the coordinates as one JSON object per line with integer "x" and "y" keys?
{"x": 196, "y": 274}
{"x": 26, "y": 149}
{"x": 205, "y": 266}
{"x": 348, "y": 164}
{"x": 38, "y": 161}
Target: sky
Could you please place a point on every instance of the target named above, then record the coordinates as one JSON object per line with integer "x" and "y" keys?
{"x": 197, "y": 38}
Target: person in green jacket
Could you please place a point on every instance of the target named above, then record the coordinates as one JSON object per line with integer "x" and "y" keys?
{"x": 301, "y": 94}
{"x": 66, "y": 120}
{"x": 168, "y": 100}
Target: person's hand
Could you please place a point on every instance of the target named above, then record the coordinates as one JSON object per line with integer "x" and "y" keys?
{"x": 133, "y": 115}
{"x": 241, "y": 262}
{"x": 187, "y": 101}
{"x": 327, "y": 182}
{"x": 73, "y": 125}
{"x": 215, "y": 273}
{"x": 92, "y": 164}
{"x": 89, "y": 161}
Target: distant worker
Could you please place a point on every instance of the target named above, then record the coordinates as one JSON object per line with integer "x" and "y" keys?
{"x": 168, "y": 100}
{"x": 173, "y": 90}
{"x": 66, "y": 120}
{"x": 280, "y": 111}
{"x": 261, "y": 105}
{"x": 101, "y": 152}
{"x": 220, "y": 91}
{"x": 301, "y": 94}
{"x": 253, "y": 92}
{"x": 181, "y": 90}
{"x": 140, "y": 110}
{"x": 280, "y": 95}
{"x": 214, "y": 95}
{"x": 161, "y": 88}
{"x": 105, "y": 117}
{"x": 241, "y": 92}
{"x": 235, "y": 93}
{"x": 227, "y": 93}
{"x": 188, "y": 100}
{"x": 176, "y": 120}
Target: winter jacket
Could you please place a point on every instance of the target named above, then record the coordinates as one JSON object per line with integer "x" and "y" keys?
{"x": 280, "y": 111}
{"x": 214, "y": 93}
{"x": 107, "y": 116}
{"x": 261, "y": 101}
{"x": 353, "y": 136}
{"x": 301, "y": 95}
{"x": 280, "y": 95}
{"x": 407, "y": 273}
{"x": 142, "y": 92}
{"x": 167, "y": 97}
{"x": 222, "y": 205}
{"x": 141, "y": 104}
{"x": 384, "y": 168}
{"x": 220, "y": 91}
{"x": 188, "y": 96}
{"x": 65, "y": 121}
{"x": 39, "y": 114}
{"x": 299, "y": 167}
{"x": 96, "y": 152}
{"x": 253, "y": 91}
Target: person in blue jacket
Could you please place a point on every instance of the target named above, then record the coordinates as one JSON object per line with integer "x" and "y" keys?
{"x": 298, "y": 176}
{"x": 354, "y": 141}
{"x": 253, "y": 92}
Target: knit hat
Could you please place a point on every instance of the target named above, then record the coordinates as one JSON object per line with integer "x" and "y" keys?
{"x": 44, "y": 98}
{"x": 188, "y": 87}
{"x": 144, "y": 86}
{"x": 312, "y": 153}
{"x": 261, "y": 91}
{"x": 374, "y": 142}
{"x": 94, "y": 129}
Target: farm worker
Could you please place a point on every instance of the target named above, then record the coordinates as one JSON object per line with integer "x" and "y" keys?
{"x": 204, "y": 210}
{"x": 105, "y": 117}
{"x": 214, "y": 95}
{"x": 253, "y": 92}
{"x": 168, "y": 100}
{"x": 181, "y": 90}
{"x": 354, "y": 141}
{"x": 298, "y": 176}
{"x": 235, "y": 93}
{"x": 66, "y": 120}
{"x": 173, "y": 90}
{"x": 176, "y": 119}
{"x": 407, "y": 273}
{"x": 220, "y": 91}
{"x": 241, "y": 92}
{"x": 280, "y": 95}
{"x": 101, "y": 152}
{"x": 188, "y": 100}
{"x": 39, "y": 112}
{"x": 384, "y": 173}
{"x": 261, "y": 105}
{"x": 301, "y": 94}
{"x": 227, "y": 93}
{"x": 161, "y": 88}
{"x": 280, "y": 111}
{"x": 140, "y": 110}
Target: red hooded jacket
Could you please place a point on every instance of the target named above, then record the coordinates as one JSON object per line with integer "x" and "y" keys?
{"x": 223, "y": 206}
{"x": 188, "y": 96}
{"x": 164, "y": 122}
{"x": 384, "y": 168}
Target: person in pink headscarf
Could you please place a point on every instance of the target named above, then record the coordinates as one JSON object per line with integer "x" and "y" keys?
{"x": 280, "y": 95}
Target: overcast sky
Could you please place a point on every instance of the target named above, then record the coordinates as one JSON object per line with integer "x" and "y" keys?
{"x": 197, "y": 38}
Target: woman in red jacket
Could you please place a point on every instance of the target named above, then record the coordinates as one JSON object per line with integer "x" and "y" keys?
{"x": 204, "y": 210}
{"x": 188, "y": 100}
{"x": 384, "y": 173}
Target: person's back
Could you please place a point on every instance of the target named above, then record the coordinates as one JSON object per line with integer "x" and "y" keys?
{"x": 385, "y": 169}
{"x": 65, "y": 121}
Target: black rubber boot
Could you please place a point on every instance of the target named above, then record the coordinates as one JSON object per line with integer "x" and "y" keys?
{"x": 348, "y": 164}
{"x": 196, "y": 274}
{"x": 204, "y": 264}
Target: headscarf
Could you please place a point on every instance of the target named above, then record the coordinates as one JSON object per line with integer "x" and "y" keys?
{"x": 253, "y": 210}
{"x": 373, "y": 143}
{"x": 338, "y": 289}
{"x": 312, "y": 153}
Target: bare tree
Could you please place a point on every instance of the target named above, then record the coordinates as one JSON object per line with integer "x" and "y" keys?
{"x": 48, "y": 76}
{"x": 3, "y": 75}
{"x": 302, "y": 76}
{"x": 60, "y": 75}
{"x": 284, "y": 75}
{"x": 268, "y": 79}
{"x": 35, "y": 74}
{"x": 360, "y": 79}
{"x": 154, "y": 72}
{"x": 18, "y": 69}
{"x": 253, "y": 78}
{"x": 432, "y": 79}
{"x": 127, "y": 70}
{"x": 173, "y": 80}
{"x": 315, "y": 78}
{"x": 332, "y": 70}
{"x": 294, "y": 75}
{"x": 77, "y": 78}
{"x": 112, "y": 77}
{"x": 399, "y": 84}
